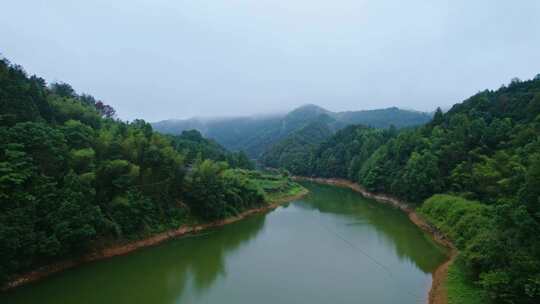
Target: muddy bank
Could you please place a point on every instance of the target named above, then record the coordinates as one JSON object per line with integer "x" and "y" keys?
{"x": 123, "y": 249}
{"x": 437, "y": 293}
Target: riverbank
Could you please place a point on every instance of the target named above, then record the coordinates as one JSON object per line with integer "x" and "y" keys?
{"x": 126, "y": 248}
{"x": 437, "y": 292}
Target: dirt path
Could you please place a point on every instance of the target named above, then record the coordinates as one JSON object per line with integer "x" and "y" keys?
{"x": 437, "y": 293}
{"x": 123, "y": 249}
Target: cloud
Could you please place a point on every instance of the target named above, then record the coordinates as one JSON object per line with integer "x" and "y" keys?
{"x": 165, "y": 59}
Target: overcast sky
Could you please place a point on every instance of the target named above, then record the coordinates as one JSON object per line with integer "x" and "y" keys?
{"x": 157, "y": 59}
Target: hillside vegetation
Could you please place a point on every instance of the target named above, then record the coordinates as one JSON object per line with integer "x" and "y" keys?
{"x": 486, "y": 152}
{"x": 293, "y": 152}
{"x": 256, "y": 135}
{"x": 312, "y": 151}
{"x": 73, "y": 178}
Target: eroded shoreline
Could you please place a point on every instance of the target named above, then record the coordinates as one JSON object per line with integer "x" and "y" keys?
{"x": 437, "y": 293}
{"x": 126, "y": 248}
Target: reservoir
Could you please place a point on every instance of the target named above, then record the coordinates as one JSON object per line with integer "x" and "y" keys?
{"x": 332, "y": 246}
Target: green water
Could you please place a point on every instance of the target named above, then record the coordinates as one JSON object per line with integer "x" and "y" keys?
{"x": 333, "y": 246}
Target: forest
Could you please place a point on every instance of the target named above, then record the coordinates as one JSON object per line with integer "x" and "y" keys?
{"x": 73, "y": 177}
{"x": 483, "y": 155}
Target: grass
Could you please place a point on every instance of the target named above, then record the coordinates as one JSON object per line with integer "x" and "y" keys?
{"x": 287, "y": 189}
{"x": 462, "y": 221}
{"x": 460, "y": 289}
{"x": 274, "y": 185}
{"x": 459, "y": 219}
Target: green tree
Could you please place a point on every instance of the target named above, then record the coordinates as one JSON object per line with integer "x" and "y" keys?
{"x": 421, "y": 177}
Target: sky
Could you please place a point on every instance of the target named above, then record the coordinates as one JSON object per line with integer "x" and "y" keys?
{"x": 160, "y": 59}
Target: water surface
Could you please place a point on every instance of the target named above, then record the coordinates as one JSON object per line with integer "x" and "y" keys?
{"x": 333, "y": 246}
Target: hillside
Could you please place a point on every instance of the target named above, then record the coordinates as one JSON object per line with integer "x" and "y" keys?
{"x": 293, "y": 152}
{"x": 255, "y": 135}
{"x": 74, "y": 179}
{"x": 484, "y": 154}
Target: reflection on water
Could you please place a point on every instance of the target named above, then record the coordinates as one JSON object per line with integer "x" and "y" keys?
{"x": 331, "y": 247}
{"x": 161, "y": 274}
{"x": 391, "y": 225}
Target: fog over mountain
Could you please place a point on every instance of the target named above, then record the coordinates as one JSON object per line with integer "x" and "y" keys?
{"x": 164, "y": 59}
{"x": 255, "y": 134}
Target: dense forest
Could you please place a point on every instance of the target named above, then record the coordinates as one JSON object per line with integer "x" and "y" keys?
{"x": 484, "y": 154}
{"x": 312, "y": 151}
{"x": 257, "y": 135}
{"x": 73, "y": 177}
{"x": 293, "y": 152}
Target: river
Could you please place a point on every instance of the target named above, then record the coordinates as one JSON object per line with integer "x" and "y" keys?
{"x": 333, "y": 246}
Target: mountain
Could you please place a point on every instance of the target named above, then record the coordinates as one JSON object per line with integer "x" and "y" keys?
{"x": 255, "y": 135}
{"x": 383, "y": 118}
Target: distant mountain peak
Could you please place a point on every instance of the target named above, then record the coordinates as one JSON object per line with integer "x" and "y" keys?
{"x": 303, "y": 115}
{"x": 311, "y": 107}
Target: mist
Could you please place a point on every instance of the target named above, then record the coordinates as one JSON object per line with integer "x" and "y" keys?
{"x": 178, "y": 59}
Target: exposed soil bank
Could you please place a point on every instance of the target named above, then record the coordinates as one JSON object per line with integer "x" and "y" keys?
{"x": 123, "y": 249}
{"x": 437, "y": 293}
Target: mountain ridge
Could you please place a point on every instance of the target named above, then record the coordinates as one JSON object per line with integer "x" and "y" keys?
{"x": 256, "y": 134}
